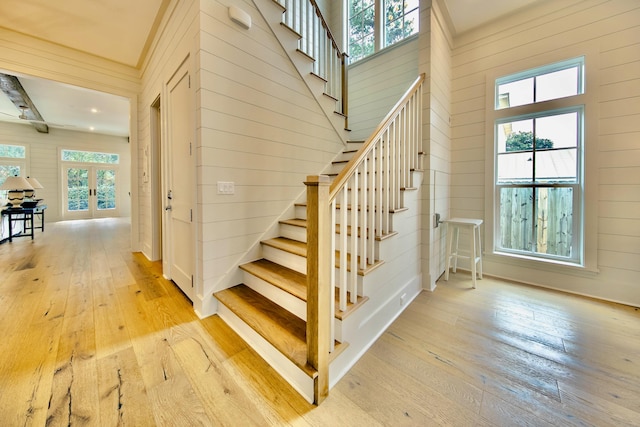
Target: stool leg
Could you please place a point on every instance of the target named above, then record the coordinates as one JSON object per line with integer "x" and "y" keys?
{"x": 472, "y": 258}
{"x": 448, "y": 260}
{"x": 454, "y": 254}
{"x": 479, "y": 253}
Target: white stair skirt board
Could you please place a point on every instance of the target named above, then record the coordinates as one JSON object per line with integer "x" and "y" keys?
{"x": 363, "y": 332}
{"x": 284, "y": 299}
{"x": 299, "y": 380}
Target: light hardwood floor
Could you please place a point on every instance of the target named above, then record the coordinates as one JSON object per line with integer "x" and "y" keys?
{"x": 93, "y": 335}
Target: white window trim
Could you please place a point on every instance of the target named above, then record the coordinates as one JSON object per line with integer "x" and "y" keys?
{"x": 589, "y": 228}
{"x": 23, "y": 163}
{"x": 378, "y": 30}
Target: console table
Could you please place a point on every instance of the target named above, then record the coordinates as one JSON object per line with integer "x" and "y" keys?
{"x": 27, "y": 217}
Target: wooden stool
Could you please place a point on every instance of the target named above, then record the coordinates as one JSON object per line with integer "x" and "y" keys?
{"x": 475, "y": 256}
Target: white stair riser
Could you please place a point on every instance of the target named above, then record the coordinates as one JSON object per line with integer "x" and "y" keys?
{"x": 293, "y": 232}
{"x": 286, "y": 259}
{"x": 284, "y": 299}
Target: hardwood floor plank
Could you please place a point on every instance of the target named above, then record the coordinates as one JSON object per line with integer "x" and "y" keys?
{"x": 600, "y": 411}
{"x": 94, "y": 335}
{"x": 112, "y": 335}
{"x": 272, "y": 397}
{"x": 123, "y": 397}
{"x": 221, "y": 397}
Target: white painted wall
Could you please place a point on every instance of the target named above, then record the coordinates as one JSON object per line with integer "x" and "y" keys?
{"x": 435, "y": 61}
{"x": 43, "y": 161}
{"x": 260, "y": 128}
{"x": 176, "y": 40}
{"x": 376, "y": 83}
{"x": 607, "y": 32}
{"x": 25, "y": 55}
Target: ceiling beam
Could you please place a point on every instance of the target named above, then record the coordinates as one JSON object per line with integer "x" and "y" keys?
{"x": 12, "y": 87}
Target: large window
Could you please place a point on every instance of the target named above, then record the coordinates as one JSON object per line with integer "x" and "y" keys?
{"x": 376, "y": 24}
{"x": 539, "y": 162}
{"x": 12, "y": 163}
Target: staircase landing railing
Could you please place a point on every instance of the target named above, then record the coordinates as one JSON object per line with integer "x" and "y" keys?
{"x": 317, "y": 42}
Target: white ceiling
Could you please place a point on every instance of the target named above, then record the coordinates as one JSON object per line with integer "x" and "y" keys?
{"x": 468, "y": 14}
{"x": 120, "y": 30}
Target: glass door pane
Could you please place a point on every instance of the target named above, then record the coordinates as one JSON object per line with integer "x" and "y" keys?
{"x": 77, "y": 190}
{"x": 105, "y": 189}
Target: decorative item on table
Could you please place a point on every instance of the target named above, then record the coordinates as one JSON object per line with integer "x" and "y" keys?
{"x": 16, "y": 186}
{"x": 30, "y": 200}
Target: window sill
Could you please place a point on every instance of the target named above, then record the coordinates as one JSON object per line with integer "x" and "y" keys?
{"x": 384, "y": 50}
{"x": 548, "y": 265}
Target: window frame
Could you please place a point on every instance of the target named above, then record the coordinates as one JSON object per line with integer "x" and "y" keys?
{"x": 534, "y": 184}
{"x": 21, "y": 162}
{"x": 585, "y": 221}
{"x": 379, "y": 30}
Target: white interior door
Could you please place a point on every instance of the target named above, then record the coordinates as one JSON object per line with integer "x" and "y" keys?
{"x": 179, "y": 204}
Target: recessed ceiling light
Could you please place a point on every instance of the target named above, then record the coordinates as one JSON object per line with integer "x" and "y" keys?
{"x": 91, "y": 128}
{"x": 94, "y": 110}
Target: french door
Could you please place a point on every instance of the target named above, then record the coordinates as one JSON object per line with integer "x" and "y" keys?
{"x": 90, "y": 192}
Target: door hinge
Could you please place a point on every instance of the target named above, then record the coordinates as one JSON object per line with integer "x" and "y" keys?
{"x": 190, "y": 150}
{"x": 189, "y": 81}
{"x": 192, "y": 280}
{"x": 191, "y": 214}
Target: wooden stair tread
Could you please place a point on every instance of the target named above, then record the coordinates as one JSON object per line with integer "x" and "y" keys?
{"x": 282, "y": 329}
{"x": 288, "y": 245}
{"x": 300, "y": 249}
{"x": 302, "y": 223}
{"x": 292, "y": 282}
{"x": 377, "y": 236}
{"x": 296, "y": 222}
{"x": 396, "y": 210}
{"x": 288, "y": 280}
{"x": 351, "y": 307}
{"x": 361, "y": 272}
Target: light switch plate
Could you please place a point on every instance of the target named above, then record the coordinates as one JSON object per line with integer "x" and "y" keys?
{"x": 226, "y": 187}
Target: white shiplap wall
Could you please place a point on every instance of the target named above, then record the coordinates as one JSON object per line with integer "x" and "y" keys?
{"x": 175, "y": 41}
{"x": 608, "y": 33}
{"x": 26, "y": 55}
{"x": 437, "y": 139}
{"x": 43, "y": 161}
{"x": 377, "y": 83}
{"x": 260, "y": 128}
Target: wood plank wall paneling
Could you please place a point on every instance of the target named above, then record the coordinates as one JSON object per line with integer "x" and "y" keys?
{"x": 260, "y": 128}
{"x": 43, "y": 161}
{"x": 611, "y": 29}
{"x": 439, "y": 143}
{"x": 377, "y": 83}
{"x": 175, "y": 40}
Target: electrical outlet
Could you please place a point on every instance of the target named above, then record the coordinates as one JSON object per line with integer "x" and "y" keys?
{"x": 226, "y": 187}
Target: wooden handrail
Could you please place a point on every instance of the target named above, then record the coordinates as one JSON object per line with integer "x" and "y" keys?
{"x": 350, "y": 168}
{"x": 365, "y": 193}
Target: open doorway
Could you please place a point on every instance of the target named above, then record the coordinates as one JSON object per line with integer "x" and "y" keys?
{"x": 152, "y": 174}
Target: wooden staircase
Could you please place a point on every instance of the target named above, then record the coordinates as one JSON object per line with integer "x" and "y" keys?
{"x": 303, "y": 305}
{"x": 269, "y": 308}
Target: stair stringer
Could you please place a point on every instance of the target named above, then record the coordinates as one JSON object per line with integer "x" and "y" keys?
{"x": 272, "y": 13}
{"x": 390, "y": 288}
